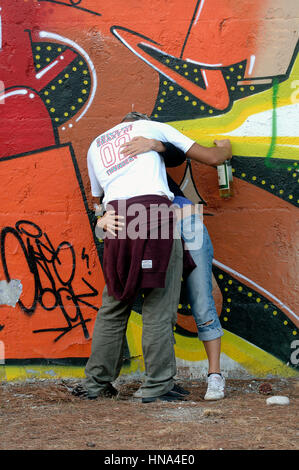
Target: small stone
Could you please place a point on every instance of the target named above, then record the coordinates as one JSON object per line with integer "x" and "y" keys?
{"x": 211, "y": 412}
{"x": 90, "y": 444}
{"x": 278, "y": 400}
{"x": 265, "y": 388}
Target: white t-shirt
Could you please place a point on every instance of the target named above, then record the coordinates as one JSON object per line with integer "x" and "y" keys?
{"x": 120, "y": 177}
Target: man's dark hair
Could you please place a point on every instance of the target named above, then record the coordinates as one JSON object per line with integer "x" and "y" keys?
{"x": 173, "y": 156}
{"x": 135, "y": 116}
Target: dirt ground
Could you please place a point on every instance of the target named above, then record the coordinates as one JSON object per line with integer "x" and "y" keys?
{"x": 43, "y": 415}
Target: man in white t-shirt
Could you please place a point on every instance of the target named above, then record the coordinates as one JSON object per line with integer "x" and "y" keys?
{"x": 129, "y": 178}
{"x": 120, "y": 177}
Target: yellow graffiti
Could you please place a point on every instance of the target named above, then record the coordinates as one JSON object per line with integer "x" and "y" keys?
{"x": 205, "y": 130}
{"x": 256, "y": 361}
{"x": 189, "y": 350}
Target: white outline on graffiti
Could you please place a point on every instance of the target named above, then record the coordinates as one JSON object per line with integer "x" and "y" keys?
{"x": 46, "y": 34}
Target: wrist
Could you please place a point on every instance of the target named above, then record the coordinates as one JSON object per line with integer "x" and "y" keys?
{"x": 157, "y": 145}
{"x": 153, "y": 144}
{"x": 101, "y": 222}
{"x": 223, "y": 155}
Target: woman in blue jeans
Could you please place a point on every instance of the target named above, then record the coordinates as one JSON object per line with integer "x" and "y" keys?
{"x": 199, "y": 292}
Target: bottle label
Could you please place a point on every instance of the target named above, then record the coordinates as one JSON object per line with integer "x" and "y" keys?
{"x": 223, "y": 176}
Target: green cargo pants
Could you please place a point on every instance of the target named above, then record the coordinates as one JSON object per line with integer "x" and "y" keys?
{"x": 159, "y": 314}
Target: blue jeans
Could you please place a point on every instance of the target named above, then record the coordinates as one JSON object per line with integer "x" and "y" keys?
{"x": 199, "y": 282}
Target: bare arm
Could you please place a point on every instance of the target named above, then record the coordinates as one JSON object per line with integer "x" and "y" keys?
{"x": 211, "y": 155}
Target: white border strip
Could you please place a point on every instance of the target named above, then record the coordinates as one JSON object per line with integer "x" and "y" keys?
{"x": 15, "y": 92}
{"x": 174, "y": 57}
{"x": 203, "y": 63}
{"x": 199, "y": 11}
{"x": 251, "y": 65}
{"x": 46, "y": 69}
{"x": 140, "y": 56}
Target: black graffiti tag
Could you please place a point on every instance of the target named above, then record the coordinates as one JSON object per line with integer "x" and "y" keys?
{"x": 45, "y": 262}
{"x": 73, "y": 4}
{"x": 85, "y": 256}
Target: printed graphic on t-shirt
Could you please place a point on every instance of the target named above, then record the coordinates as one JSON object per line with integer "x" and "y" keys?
{"x": 109, "y": 146}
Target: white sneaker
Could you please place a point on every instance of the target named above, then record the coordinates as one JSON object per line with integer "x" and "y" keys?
{"x": 216, "y": 387}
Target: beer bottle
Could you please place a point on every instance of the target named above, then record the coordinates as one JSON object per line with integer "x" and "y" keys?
{"x": 225, "y": 179}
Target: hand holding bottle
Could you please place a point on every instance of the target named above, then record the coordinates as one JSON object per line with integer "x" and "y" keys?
{"x": 225, "y": 175}
{"x": 226, "y": 145}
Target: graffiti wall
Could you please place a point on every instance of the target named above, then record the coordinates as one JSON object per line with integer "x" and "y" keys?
{"x": 69, "y": 70}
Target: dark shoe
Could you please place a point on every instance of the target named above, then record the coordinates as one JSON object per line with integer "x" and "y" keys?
{"x": 107, "y": 392}
{"x": 79, "y": 391}
{"x": 180, "y": 390}
{"x": 169, "y": 396}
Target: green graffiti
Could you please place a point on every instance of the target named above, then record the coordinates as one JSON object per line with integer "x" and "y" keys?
{"x": 268, "y": 160}
{"x": 274, "y": 123}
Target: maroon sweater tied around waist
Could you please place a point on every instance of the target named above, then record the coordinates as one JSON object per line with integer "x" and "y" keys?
{"x": 138, "y": 256}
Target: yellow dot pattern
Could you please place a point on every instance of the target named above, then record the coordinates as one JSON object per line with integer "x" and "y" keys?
{"x": 281, "y": 181}
{"x": 248, "y": 314}
{"x": 184, "y": 101}
{"x": 190, "y": 106}
{"x": 235, "y": 295}
{"x": 68, "y": 92}
{"x": 236, "y": 84}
